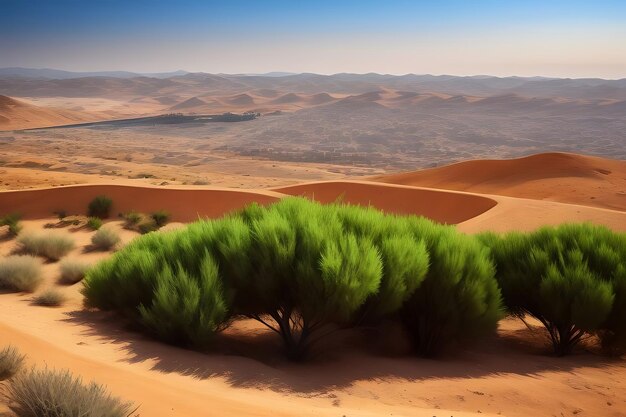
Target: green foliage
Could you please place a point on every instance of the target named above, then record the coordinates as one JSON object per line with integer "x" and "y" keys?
{"x": 13, "y": 222}
{"x": 51, "y": 245}
{"x": 94, "y": 223}
{"x": 11, "y": 361}
{"x": 187, "y": 309}
{"x": 20, "y": 273}
{"x": 51, "y": 393}
{"x": 301, "y": 269}
{"x": 105, "y": 239}
{"x": 160, "y": 217}
{"x": 100, "y": 207}
{"x": 459, "y": 299}
{"x": 72, "y": 271}
{"x": 570, "y": 278}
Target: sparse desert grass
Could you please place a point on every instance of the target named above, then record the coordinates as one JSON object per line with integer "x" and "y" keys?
{"x": 53, "y": 393}
{"x": 20, "y": 273}
{"x": 100, "y": 207}
{"x": 105, "y": 239}
{"x": 147, "y": 226}
{"x": 51, "y": 245}
{"x": 132, "y": 219}
{"x": 94, "y": 223}
{"x": 11, "y": 361}
{"x": 12, "y": 221}
{"x": 50, "y": 298}
{"x": 72, "y": 271}
{"x": 160, "y": 217}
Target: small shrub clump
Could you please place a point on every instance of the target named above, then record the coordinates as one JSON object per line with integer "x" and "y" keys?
{"x": 13, "y": 222}
{"x": 94, "y": 223}
{"x": 100, "y": 207}
{"x": 132, "y": 219}
{"x": 72, "y": 271}
{"x": 20, "y": 273}
{"x": 11, "y": 361}
{"x": 105, "y": 239}
{"x": 50, "y": 298}
{"x": 160, "y": 217}
{"x": 51, "y": 245}
{"x": 44, "y": 392}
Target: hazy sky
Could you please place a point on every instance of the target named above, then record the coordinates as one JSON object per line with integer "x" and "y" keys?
{"x": 550, "y": 38}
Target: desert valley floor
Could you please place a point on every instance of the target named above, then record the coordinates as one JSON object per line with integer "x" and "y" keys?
{"x": 481, "y": 153}
{"x": 505, "y": 375}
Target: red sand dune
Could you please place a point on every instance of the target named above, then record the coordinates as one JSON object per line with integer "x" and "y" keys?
{"x": 563, "y": 177}
{"x": 441, "y": 206}
{"x": 183, "y": 204}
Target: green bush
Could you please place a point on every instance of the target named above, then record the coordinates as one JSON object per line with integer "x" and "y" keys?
{"x": 308, "y": 273}
{"x": 160, "y": 217}
{"x": 570, "y": 278}
{"x": 100, "y": 207}
{"x": 187, "y": 310}
{"x": 13, "y": 222}
{"x": 105, "y": 239}
{"x": 72, "y": 271}
{"x": 459, "y": 299}
{"x": 41, "y": 393}
{"x": 11, "y": 361}
{"x": 50, "y": 298}
{"x": 20, "y": 273}
{"x": 94, "y": 223}
{"x": 51, "y": 245}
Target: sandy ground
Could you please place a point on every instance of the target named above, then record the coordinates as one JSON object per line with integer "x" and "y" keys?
{"x": 563, "y": 177}
{"x": 367, "y": 374}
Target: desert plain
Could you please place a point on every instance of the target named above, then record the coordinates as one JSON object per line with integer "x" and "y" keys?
{"x": 497, "y": 154}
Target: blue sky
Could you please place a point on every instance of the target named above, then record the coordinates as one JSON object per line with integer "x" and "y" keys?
{"x": 553, "y": 38}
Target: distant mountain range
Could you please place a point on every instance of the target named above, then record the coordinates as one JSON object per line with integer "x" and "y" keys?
{"x": 55, "y": 74}
{"x": 28, "y": 82}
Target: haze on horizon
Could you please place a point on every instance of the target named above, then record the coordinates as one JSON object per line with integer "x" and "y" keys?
{"x": 531, "y": 38}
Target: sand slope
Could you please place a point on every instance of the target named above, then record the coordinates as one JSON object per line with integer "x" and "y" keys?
{"x": 564, "y": 177}
{"x": 184, "y": 205}
{"x": 17, "y": 114}
{"x": 441, "y": 206}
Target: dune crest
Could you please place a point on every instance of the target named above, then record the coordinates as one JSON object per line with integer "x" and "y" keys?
{"x": 563, "y": 177}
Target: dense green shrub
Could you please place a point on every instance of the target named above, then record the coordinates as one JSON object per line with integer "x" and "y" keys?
{"x": 72, "y": 271}
{"x": 100, "y": 207}
{"x": 105, "y": 239}
{"x": 51, "y": 245}
{"x": 307, "y": 272}
{"x": 459, "y": 299}
{"x": 44, "y": 392}
{"x": 11, "y": 361}
{"x": 94, "y": 223}
{"x": 301, "y": 269}
{"x": 570, "y": 278}
{"x": 187, "y": 310}
{"x": 20, "y": 273}
{"x": 13, "y": 222}
{"x": 160, "y": 217}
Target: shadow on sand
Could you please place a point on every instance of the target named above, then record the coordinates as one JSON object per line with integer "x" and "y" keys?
{"x": 247, "y": 355}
